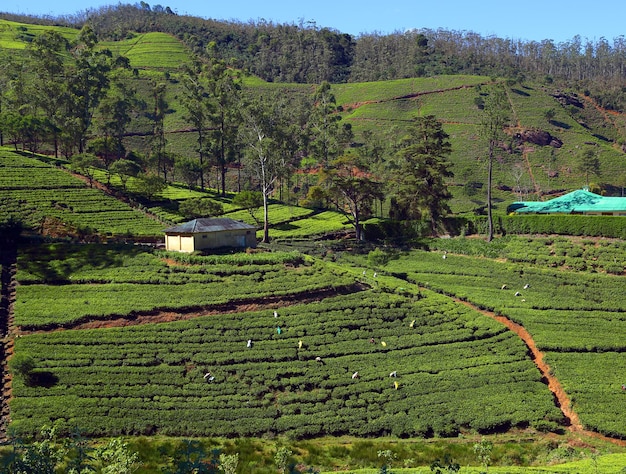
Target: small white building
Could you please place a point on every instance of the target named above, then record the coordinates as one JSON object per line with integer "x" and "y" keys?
{"x": 209, "y": 233}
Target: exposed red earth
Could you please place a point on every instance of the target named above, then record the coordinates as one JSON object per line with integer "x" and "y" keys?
{"x": 554, "y": 385}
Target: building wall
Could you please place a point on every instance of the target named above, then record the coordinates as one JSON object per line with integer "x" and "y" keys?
{"x": 187, "y": 243}
{"x": 172, "y": 242}
{"x": 226, "y": 238}
{"x": 251, "y": 239}
{"x": 179, "y": 243}
{"x": 209, "y": 240}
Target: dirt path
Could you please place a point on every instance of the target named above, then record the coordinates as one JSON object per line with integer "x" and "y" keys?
{"x": 526, "y": 150}
{"x": 166, "y": 316}
{"x": 606, "y": 113}
{"x": 8, "y": 261}
{"x": 562, "y": 400}
{"x": 525, "y": 153}
{"x": 537, "y": 356}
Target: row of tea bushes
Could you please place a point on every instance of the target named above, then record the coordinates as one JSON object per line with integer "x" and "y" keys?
{"x": 44, "y": 192}
{"x": 573, "y": 253}
{"x": 577, "y": 319}
{"x": 455, "y": 370}
{"x": 64, "y": 284}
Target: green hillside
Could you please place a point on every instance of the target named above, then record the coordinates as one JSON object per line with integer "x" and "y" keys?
{"x": 526, "y": 171}
{"x": 151, "y": 51}
{"x": 386, "y": 108}
{"x": 349, "y": 353}
{"x": 17, "y": 36}
{"x": 51, "y": 201}
{"x": 532, "y": 167}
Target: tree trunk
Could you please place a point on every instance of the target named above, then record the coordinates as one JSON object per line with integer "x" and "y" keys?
{"x": 201, "y": 171}
{"x": 223, "y": 172}
{"x": 56, "y": 145}
{"x": 223, "y": 158}
{"x": 358, "y": 233}
{"x": 239, "y": 174}
{"x": 266, "y": 221}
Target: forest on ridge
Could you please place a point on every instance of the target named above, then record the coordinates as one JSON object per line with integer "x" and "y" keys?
{"x": 309, "y": 53}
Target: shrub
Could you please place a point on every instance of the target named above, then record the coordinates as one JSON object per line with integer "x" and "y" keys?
{"x": 546, "y": 426}
{"x": 378, "y": 257}
{"x": 615, "y": 268}
{"x": 596, "y": 226}
{"x": 606, "y": 226}
{"x": 22, "y": 365}
{"x": 391, "y": 230}
{"x": 200, "y": 207}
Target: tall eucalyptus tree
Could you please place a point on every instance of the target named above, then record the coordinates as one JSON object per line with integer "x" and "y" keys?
{"x": 117, "y": 110}
{"x": 158, "y": 142}
{"x": 263, "y": 132}
{"x": 224, "y": 87}
{"x": 324, "y": 126}
{"x": 495, "y": 117}
{"x": 199, "y": 110}
{"x": 87, "y": 81}
{"x": 49, "y": 52}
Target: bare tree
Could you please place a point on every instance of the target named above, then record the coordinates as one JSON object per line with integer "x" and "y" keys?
{"x": 265, "y": 121}
{"x": 517, "y": 172}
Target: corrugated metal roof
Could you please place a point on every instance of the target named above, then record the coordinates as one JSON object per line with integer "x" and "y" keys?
{"x": 208, "y": 224}
{"x": 576, "y": 201}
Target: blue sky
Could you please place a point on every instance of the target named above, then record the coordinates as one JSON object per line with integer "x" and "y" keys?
{"x": 557, "y": 20}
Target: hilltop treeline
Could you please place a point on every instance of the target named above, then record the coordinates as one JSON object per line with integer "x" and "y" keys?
{"x": 308, "y": 53}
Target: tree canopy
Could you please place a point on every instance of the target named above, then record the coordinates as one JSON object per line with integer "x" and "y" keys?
{"x": 420, "y": 171}
{"x": 306, "y": 52}
{"x": 352, "y": 189}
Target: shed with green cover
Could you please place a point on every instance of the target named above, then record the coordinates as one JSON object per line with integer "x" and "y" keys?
{"x": 580, "y": 201}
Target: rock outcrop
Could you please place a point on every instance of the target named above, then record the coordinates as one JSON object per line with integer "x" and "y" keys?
{"x": 565, "y": 98}
{"x": 539, "y": 137}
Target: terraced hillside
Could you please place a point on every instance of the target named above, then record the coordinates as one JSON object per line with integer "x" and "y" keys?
{"x": 374, "y": 361}
{"x": 49, "y": 200}
{"x": 130, "y": 340}
{"x": 575, "y": 318}
{"x": 531, "y": 168}
{"x": 549, "y": 127}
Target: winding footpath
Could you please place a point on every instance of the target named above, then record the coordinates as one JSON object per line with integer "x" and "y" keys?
{"x": 563, "y": 402}
{"x": 7, "y": 298}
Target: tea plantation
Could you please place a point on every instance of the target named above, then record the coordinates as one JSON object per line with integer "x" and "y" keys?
{"x": 122, "y": 281}
{"x": 455, "y": 369}
{"x": 43, "y": 195}
{"x": 251, "y": 352}
{"x": 576, "y": 319}
{"x": 130, "y": 340}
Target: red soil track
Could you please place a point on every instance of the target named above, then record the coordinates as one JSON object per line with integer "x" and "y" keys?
{"x": 562, "y": 400}
{"x": 554, "y": 385}
{"x": 166, "y": 316}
